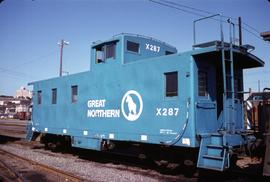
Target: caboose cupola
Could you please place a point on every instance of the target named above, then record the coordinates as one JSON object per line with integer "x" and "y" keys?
{"x": 127, "y": 48}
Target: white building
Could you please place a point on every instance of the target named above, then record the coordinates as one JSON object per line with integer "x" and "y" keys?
{"x": 23, "y": 92}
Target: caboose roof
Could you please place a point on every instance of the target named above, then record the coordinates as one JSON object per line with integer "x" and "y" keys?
{"x": 242, "y": 58}
{"x": 117, "y": 38}
{"x": 100, "y": 43}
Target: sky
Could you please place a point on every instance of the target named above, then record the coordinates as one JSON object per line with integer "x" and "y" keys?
{"x": 31, "y": 29}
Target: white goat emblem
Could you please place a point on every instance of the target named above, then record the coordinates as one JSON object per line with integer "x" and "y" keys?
{"x": 132, "y": 107}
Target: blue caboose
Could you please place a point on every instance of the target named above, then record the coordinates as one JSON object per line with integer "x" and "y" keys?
{"x": 140, "y": 90}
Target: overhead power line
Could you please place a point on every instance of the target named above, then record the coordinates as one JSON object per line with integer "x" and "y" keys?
{"x": 185, "y": 6}
{"x": 36, "y": 59}
{"x": 14, "y": 76}
{"x": 16, "y": 73}
{"x": 196, "y": 9}
{"x": 198, "y": 12}
{"x": 251, "y": 27}
{"x": 171, "y": 6}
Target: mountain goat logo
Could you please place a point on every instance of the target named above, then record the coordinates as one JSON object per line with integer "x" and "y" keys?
{"x": 132, "y": 107}
{"x": 129, "y": 100}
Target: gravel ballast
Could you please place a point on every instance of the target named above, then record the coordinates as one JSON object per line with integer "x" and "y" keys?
{"x": 89, "y": 170}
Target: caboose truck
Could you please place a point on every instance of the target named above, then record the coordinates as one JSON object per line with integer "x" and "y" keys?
{"x": 180, "y": 107}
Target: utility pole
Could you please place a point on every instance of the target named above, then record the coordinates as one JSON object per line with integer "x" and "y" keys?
{"x": 259, "y": 86}
{"x": 61, "y": 44}
{"x": 240, "y": 30}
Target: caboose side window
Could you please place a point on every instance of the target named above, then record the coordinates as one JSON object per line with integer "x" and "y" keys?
{"x": 74, "y": 93}
{"x": 100, "y": 54}
{"x": 54, "y": 95}
{"x": 168, "y": 52}
{"x": 110, "y": 51}
{"x": 202, "y": 83}
{"x": 133, "y": 46}
{"x": 171, "y": 84}
{"x": 104, "y": 52}
{"x": 39, "y": 93}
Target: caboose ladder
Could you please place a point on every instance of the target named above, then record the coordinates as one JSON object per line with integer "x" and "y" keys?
{"x": 227, "y": 73}
{"x": 228, "y": 84}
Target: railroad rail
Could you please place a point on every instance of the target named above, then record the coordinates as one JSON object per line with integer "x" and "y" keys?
{"x": 13, "y": 128}
{"x": 144, "y": 167}
{"x": 8, "y": 174}
{"x": 42, "y": 167}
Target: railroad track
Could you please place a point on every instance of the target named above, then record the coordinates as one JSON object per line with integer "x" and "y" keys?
{"x": 134, "y": 166}
{"x": 129, "y": 163}
{"x": 13, "y": 129}
{"x": 15, "y": 176}
{"x": 8, "y": 174}
{"x": 113, "y": 162}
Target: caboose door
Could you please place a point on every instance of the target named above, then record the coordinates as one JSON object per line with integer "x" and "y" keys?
{"x": 205, "y": 94}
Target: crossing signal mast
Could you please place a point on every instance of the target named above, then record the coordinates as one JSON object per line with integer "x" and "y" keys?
{"x": 61, "y": 44}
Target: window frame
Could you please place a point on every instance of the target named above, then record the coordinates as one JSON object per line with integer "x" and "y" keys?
{"x": 206, "y": 91}
{"x": 103, "y": 50}
{"x": 39, "y": 97}
{"x": 113, "y": 45}
{"x": 175, "y": 93}
{"x": 54, "y": 96}
{"x": 131, "y": 51}
{"x": 168, "y": 53}
{"x": 74, "y": 97}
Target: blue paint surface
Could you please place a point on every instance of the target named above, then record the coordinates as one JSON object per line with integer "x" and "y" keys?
{"x": 103, "y": 108}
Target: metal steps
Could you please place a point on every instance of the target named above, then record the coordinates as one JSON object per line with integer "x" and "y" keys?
{"x": 215, "y": 146}
{"x": 213, "y": 155}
